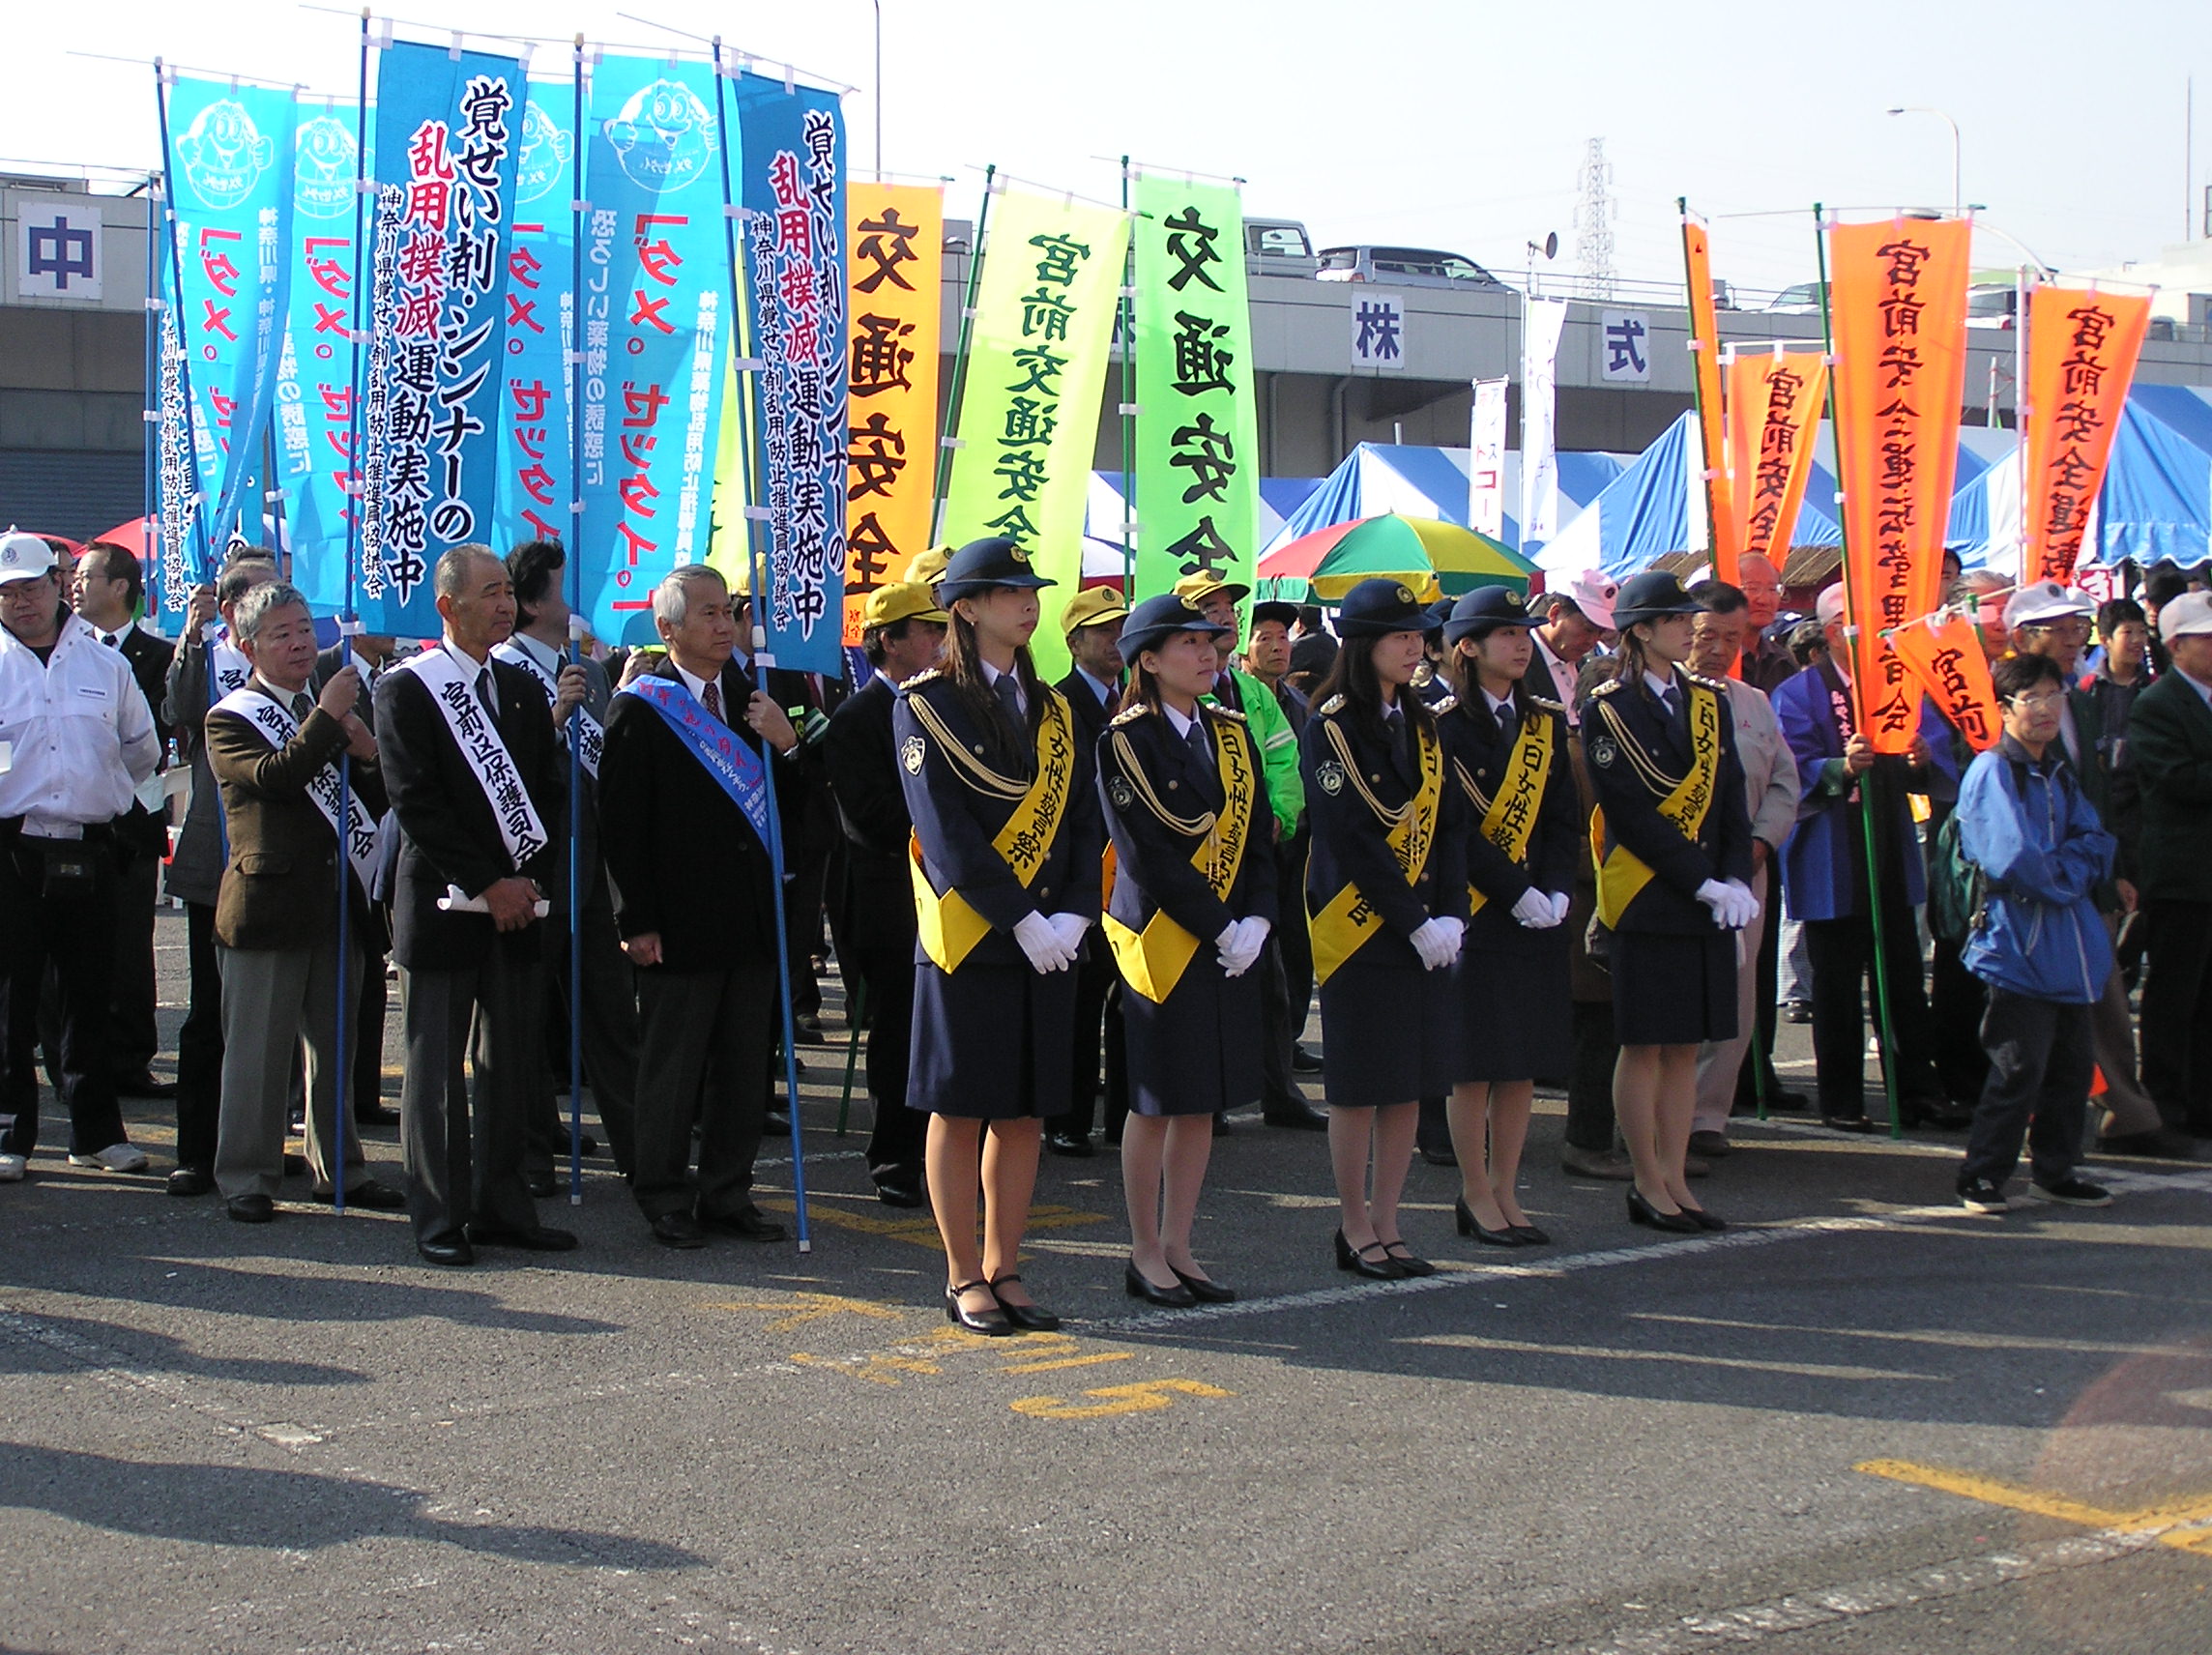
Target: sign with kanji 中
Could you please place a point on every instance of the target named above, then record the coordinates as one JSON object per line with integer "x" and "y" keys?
{"x": 1036, "y": 367}
{"x": 1198, "y": 439}
{"x": 1378, "y": 331}
{"x": 2082, "y": 349}
{"x": 893, "y": 276}
{"x": 537, "y": 479}
{"x": 57, "y": 251}
{"x": 1624, "y": 346}
{"x": 446, "y": 133}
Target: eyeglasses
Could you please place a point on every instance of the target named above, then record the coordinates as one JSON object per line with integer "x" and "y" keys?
{"x": 2041, "y": 698}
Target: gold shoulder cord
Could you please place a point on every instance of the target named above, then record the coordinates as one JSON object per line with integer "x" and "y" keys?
{"x": 1389, "y": 817}
{"x": 1135, "y": 773}
{"x": 978, "y": 776}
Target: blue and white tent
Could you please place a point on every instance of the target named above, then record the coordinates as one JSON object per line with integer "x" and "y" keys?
{"x": 1380, "y": 477}
{"x": 1279, "y": 497}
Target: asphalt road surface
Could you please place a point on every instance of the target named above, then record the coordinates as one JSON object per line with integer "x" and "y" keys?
{"x": 1861, "y": 1420}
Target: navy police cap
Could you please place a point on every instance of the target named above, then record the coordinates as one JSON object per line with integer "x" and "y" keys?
{"x": 1650, "y": 596}
{"x": 981, "y": 564}
{"x": 1157, "y": 620}
{"x": 1482, "y": 611}
{"x": 1376, "y": 608}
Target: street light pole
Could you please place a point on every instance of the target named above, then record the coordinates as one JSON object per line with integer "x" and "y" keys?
{"x": 1957, "y": 199}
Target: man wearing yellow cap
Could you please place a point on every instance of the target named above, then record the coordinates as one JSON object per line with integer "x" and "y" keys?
{"x": 1091, "y": 625}
{"x": 902, "y": 633}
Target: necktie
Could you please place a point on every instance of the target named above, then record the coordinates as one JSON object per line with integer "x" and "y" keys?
{"x": 1201, "y": 748}
{"x": 112, "y": 640}
{"x": 1507, "y": 722}
{"x": 1667, "y": 701}
{"x": 1009, "y": 697}
{"x": 711, "y": 699}
{"x": 303, "y": 704}
{"x": 487, "y": 692}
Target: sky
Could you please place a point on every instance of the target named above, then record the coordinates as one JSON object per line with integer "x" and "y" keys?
{"x": 1461, "y": 125}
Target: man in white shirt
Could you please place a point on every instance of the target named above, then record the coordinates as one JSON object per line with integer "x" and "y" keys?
{"x": 1576, "y": 619}
{"x": 77, "y": 739}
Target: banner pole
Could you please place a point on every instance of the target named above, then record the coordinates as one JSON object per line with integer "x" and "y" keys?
{"x": 575, "y": 561}
{"x": 1712, "y": 433}
{"x": 1129, "y": 416}
{"x": 149, "y": 520}
{"x": 203, "y": 560}
{"x": 757, "y": 567}
{"x": 1867, "y": 817}
{"x": 2021, "y": 413}
{"x": 960, "y": 362}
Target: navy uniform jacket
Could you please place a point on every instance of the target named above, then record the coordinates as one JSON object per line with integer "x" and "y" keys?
{"x": 1476, "y": 752}
{"x": 684, "y": 860}
{"x": 955, "y": 820}
{"x": 1349, "y": 843}
{"x": 449, "y": 833}
{"x": 1722, "y": 850}
{"x": 1151, "y": 857}
{"x": 1090, "y": 714}
{"x": 861, "y": 759}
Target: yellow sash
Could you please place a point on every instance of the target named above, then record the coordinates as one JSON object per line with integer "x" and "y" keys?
{"x": 1348, "y": 919}
{"x": 950, "y": 928}
{"x": 1512, "y": 813}
{"x": 1152, "y": 960}
{"x": 1622, "y": 874}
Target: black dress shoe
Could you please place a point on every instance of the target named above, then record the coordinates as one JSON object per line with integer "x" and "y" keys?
{"x": 544, "y": 1186}
{"x": 1703, "y": 1219}
{"x": 1857, "y": 1123}
{"x": 365, "y": 1193}
{"x": 1935, "y": 1115}
{"x": 144, "y": 1085}
{"x": 1221, "y": 1125}
{"x": 1408, "y": 1262}
{"x": 1303, "y": 1061}
{"x": 1530, "y": 1236}
{"x": 901, "y": 1190}
{"x": 776, "y": 1121}
{"x": 1642, "y": 1211}
{"x": 992, "y": 1322}
{"x": 1029, "y": 1318}
{"x": 451, "y": 1254}
{"x": 375, "y": 1115}
{"x": 1445, "y": 1158}
{"x": 806, "y": 1029}
{"x": 251, "y": 1208}
{"x": 1137, "y": 1285}
{"x": 1382, "y": 1267}
{"x": 533, "y": 1239}
{"x": 745, "y": 1222}
{"x": 1075, "y": 1145}
{"x": 1470, "y": 1225}
{"x": 1786, "y": 1102}
{"x": 1204, "y": 1291}
{"x": 678, "y": 1230}
{"x": 1295, "y": 1114}
{"x": 190, "y": 1182}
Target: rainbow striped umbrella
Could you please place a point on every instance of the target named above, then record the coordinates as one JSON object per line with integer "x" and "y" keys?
{"x": 1434, "y": 557}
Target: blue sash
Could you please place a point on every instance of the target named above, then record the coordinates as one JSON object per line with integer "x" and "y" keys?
{"x": 714, "y": 743}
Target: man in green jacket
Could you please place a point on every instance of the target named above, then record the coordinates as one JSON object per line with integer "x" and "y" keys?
{"x": 2170, "y": 749}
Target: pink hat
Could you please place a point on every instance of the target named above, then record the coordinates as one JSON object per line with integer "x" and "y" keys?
{"x": 1593, "y": 594}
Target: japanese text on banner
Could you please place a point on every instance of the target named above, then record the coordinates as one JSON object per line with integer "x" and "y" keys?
{"x": 229, "y": 161}
{"x": 2081, "y": 350}
{"x": 1774, "y": 407}
{"x": 655, "y": 342}
{"x": 1037, "y": 365}
{"x": 793, "y": 193}
{"x": 1949, "y": 664}
{"x": 537, "y": 483}
{"x": 447, "y": 130}
{"x": 1898, "y": 297}
{"x": 1198, "y": 439}
{"x": 1705, "y": 364}
{"x": 894, "y": 271}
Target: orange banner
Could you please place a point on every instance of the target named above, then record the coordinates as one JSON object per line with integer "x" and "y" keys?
{"x": 2082, "y": 349}
{"x": 1705, "y": 364}
{"x": 1898, "y": 315}
{"x": 893, "y": 276}
{"x": 1949, "y": 664}
{"x": 1774, "y": 402}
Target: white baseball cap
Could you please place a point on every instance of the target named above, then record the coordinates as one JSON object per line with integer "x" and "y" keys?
{"x": 1828, "y": 607}
{"x": 2188, "y": 616}
{"x": 2043, "y": 601}
{"x": 23, "y": 557}
{"x": 1593, "y": 594}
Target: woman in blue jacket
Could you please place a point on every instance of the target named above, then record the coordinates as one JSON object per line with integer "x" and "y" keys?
{"x": 2037, "y": 941}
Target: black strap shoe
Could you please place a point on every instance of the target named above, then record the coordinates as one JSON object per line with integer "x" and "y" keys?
{"x": 1029, "y": 1318}
{"x": 992, "y": 1323}
{"x": 1137, "y": 1285}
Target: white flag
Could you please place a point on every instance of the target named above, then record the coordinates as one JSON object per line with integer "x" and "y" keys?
{"x": 1541, "y": 322}
{"x": 1486, "y": 460}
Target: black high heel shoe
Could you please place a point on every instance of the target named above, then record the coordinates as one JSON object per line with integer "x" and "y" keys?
{"x": 1028, "y": 1317}
{"x": 1204, "y": 1291}
{"x": 1703, "y": 1219}
{"x": 1470, "y": 1225}
{"x": 1404, "y": 1257}
{"x": 1642, "y": 1211}
{"x": 1530, "y": 1236}
{"x": 1138, "y": 1284}
{"x": 993, "y": 1323}
{"x": 1357, "y": 1260}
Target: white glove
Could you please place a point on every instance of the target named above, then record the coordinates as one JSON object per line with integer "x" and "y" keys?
{"x": 1070, "y": 928}
{"x": 1040, "y": 941}
{"x": 1715, "y": 896}
{"x": 1247, "y": 937}
{"x": 1746, "y": 904}
{"x": 1534, "y": 911}
{"x": 1437, "y": 942}
{"x": 1561, "y": 902}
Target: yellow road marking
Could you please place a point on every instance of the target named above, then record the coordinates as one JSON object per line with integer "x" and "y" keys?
{"x": 813, "y": 1307}
{"x": 2177, "y": 1516}
{"x": 1069, "y": 1362}
{"x": 1146, "y": 1396}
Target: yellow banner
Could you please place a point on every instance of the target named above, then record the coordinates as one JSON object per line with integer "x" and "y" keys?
{"x": 1705, "y": 364}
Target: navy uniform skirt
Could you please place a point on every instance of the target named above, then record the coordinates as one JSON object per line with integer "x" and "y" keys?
{"x": 1517, "y": 1009}
{"x": 1388, "y": 1035}
{"x": 1197, "y": 1052}
{"x": 991, "y": 1042}
{"x": 1673, "y": 990}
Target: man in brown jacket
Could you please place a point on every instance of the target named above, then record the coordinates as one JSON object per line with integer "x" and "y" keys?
{"x": 275, "y": 750}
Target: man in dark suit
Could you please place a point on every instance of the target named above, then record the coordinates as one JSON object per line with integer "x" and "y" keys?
{"x": 275, "y": 750}
{"x": 455, "y": 731}
{"x": 369, "y": 655}
{"x": 110, "y": 587}
{"x": 903, "y": 634}
{"x": 699, "y": 923}
{"x": 1091, "y": 625}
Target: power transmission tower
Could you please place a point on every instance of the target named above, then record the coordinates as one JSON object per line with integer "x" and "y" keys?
{"x": 1593, "y": 222}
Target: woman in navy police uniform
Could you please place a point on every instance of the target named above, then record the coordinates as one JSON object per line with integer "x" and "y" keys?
{"x": 1507, "y": 752}
{"x": 1387, "y": 893}
{"x": 1674, "y": 882}
{"x": 1004, "y": 867}
{"x": 1191, "y": 908}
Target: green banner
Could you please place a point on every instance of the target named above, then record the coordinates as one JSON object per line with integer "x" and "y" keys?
{"x": 1028, "y": 422}
{"x": 1198, "y": 434}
